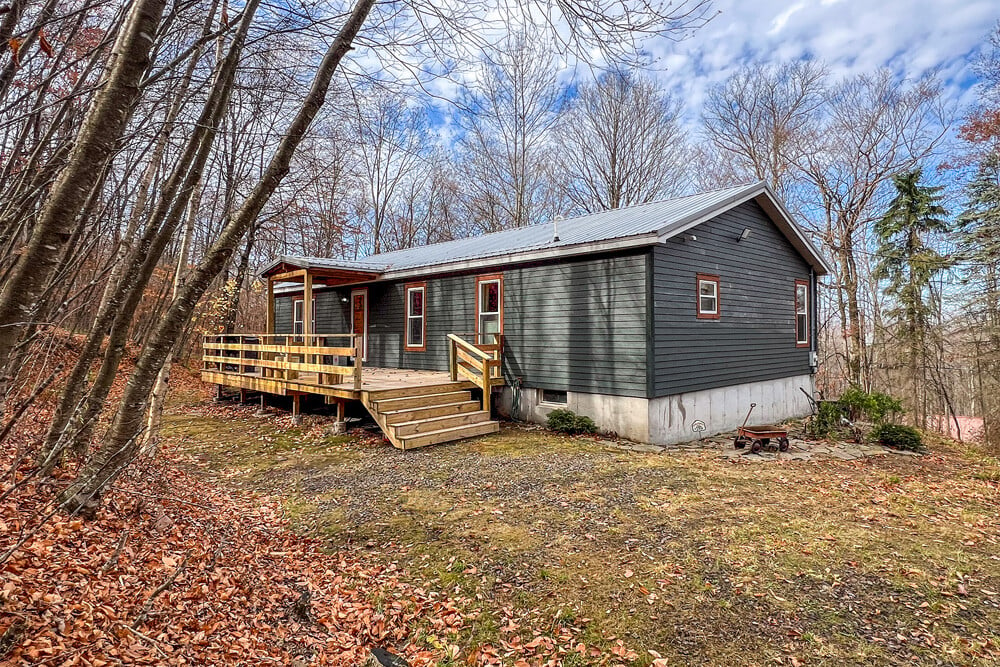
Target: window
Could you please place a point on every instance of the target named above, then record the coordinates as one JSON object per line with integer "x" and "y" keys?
{"x": 708, "y": 296}
{"x": 297, "y": 319}
{"x": 489, "y": 308}
{"x": 416, "y": 317}
{"x": 801, "y": 313}
{"x": 553, "y": 396}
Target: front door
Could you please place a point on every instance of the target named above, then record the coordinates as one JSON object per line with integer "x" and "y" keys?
{"x": 359, "y": 318}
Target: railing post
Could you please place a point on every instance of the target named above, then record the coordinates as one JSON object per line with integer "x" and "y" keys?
{"x": 357, "y": 363}
{"x": 452, "y": 360}
{"x": 487, "y": 386}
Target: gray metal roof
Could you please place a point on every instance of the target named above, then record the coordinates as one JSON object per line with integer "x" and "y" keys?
{"x": 653, "y": 221}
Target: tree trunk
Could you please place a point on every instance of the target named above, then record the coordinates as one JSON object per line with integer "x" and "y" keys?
{"x": 106, "y": 120}
{"x": 85, "y": 492}
{"x": 158, "y": 397}
{"x": 73, "y": 418}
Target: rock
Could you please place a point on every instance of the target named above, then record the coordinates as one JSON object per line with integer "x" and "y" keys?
{"x": 336, "y": 428}
{"x": 382, "y": 658}
{"x": 647, "y": 449}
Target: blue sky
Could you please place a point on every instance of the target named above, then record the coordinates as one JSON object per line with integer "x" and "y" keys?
{"x": 910, "y": 37}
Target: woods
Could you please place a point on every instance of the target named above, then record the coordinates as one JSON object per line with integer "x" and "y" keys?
{"x": 153, "y": 154}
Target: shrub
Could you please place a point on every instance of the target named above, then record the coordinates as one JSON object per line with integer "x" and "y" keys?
{"x": 875, "y": 407}
{"x": 899, "y": 436}
{"x": 567, "y": 421}
{"x": 826, "y": 420}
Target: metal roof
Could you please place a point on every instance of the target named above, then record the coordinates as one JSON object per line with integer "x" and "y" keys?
{"x": 645, "y": 223}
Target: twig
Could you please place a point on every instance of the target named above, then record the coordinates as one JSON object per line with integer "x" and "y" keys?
{"x": 26, "y": 403}
{"x": 114, "y": 556}
{"x": 171, "y": 498}
{"x": 152, "y": 642}
{"x": 162, "y": 587}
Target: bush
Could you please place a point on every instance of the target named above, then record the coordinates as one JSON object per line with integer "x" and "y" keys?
{"x": 567, "y": 421}
{"x": 875, "y": 407}
{"x": 899, "y": 436}
{"x": 826, "y": 419}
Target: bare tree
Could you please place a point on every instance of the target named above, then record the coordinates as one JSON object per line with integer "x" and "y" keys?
{"x": 391, "y": 140}
{"x": 873, "y": 128}
{"x": 763, "y": 119}
{"x": 620, "y": 144}
{"x": 506, "y": 147}
{"x": 106, "y": 121}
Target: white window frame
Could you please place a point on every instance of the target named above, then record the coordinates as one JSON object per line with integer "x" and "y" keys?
{"x": 714, "y": 281}
{"x": 480, "y": 313}
{"x": 802, "y": 309}
{"x": 557, "y": 404}
{"x": 410, "y": 317}
{"x": 298, "y": 323}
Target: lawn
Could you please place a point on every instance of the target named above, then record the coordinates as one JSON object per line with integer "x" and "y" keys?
{"x": 570, "y": 550}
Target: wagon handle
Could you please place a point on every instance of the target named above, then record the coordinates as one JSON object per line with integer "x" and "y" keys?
{"x": 752, "y": 406}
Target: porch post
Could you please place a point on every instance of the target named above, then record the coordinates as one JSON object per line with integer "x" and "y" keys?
{"x": 269, "y": 329}
{"x": 307, "y": 299}
{"x": 270, "y": 306}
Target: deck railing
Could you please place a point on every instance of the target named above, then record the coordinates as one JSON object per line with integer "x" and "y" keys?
{"x": 284, "y": 356}
{"x": 477, "y": 363}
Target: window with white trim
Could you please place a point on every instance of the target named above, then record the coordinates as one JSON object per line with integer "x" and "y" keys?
{"x": 297, "y": 318}
{"x": 708, "y": 296}
{"x": 554, "y": 397}
{"x": 416, "y": 317}
{"x": 801, "y": 313}
{"x": 488, "y": 308}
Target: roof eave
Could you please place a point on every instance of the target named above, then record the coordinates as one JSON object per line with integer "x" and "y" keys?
{"x": 778, "y": 213}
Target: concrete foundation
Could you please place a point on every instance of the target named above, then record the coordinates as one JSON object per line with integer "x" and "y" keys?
{"x": 671, "y": 419}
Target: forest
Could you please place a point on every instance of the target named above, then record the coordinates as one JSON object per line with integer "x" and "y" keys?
{"x": 154, "y": 153}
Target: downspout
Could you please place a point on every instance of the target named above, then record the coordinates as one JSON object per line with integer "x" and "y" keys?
{"x": 813, "y": 321}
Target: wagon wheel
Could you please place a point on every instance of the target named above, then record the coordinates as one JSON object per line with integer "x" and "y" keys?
{"x": 782, "y": 444}
{"x": 755, "y": 447}
{"x": 739, "y": 442}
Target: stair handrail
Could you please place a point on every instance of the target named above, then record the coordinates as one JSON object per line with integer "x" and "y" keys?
{"x": 483, "y": 377}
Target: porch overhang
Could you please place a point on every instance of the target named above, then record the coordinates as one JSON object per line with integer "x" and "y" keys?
{"x": 287, "y": 270}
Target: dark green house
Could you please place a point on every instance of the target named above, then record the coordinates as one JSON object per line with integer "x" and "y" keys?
{"x": 654, "y": 320}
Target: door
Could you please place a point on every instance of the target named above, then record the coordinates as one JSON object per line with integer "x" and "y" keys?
{"x": 489, "y": 308}
{"x": 359, "y": 318}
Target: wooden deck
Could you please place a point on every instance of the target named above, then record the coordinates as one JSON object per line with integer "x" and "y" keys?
{"x": 414, "y": 408}
{"x": 373, "y": 379}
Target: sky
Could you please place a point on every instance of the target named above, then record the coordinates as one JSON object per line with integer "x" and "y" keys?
{"x": 910, "y": 37}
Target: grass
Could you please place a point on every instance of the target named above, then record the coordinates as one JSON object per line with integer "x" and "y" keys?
{"x": 887, "y": 560}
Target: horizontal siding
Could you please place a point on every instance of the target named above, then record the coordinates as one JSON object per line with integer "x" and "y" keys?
{"x": 754, "y": 338}
{"x": 579, "y": 325}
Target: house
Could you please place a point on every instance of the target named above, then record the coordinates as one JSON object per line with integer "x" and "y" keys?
{"x": 660, "y": 321}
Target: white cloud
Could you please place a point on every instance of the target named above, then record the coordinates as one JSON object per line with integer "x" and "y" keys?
{"x": 911, "y": 37}
{"x": 781, "y": 19}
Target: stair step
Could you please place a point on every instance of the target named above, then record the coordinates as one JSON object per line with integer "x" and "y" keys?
{"x": 438, "y": 423}
{"x": 419, "y": 390}
{"x": 448, "y": 435}
{"x": 393, "y": 417}
{"x": 383, "y": 405}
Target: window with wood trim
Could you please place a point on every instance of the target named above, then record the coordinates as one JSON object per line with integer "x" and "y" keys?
{"x": 416, "y": 317}
{"x": 801, "y": 313}
{"x": 707, "y": 295}
{"x": 489, "y": 308}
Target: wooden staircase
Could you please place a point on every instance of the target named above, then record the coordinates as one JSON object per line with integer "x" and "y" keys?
{"x": 423, "y": 415}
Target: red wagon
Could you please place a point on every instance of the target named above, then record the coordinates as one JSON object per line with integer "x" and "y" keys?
{"x": 759, "y": 437}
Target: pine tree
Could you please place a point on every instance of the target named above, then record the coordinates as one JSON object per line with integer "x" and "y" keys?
{"x": 908, "y": 264}
{"x": 979, "y": 240}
